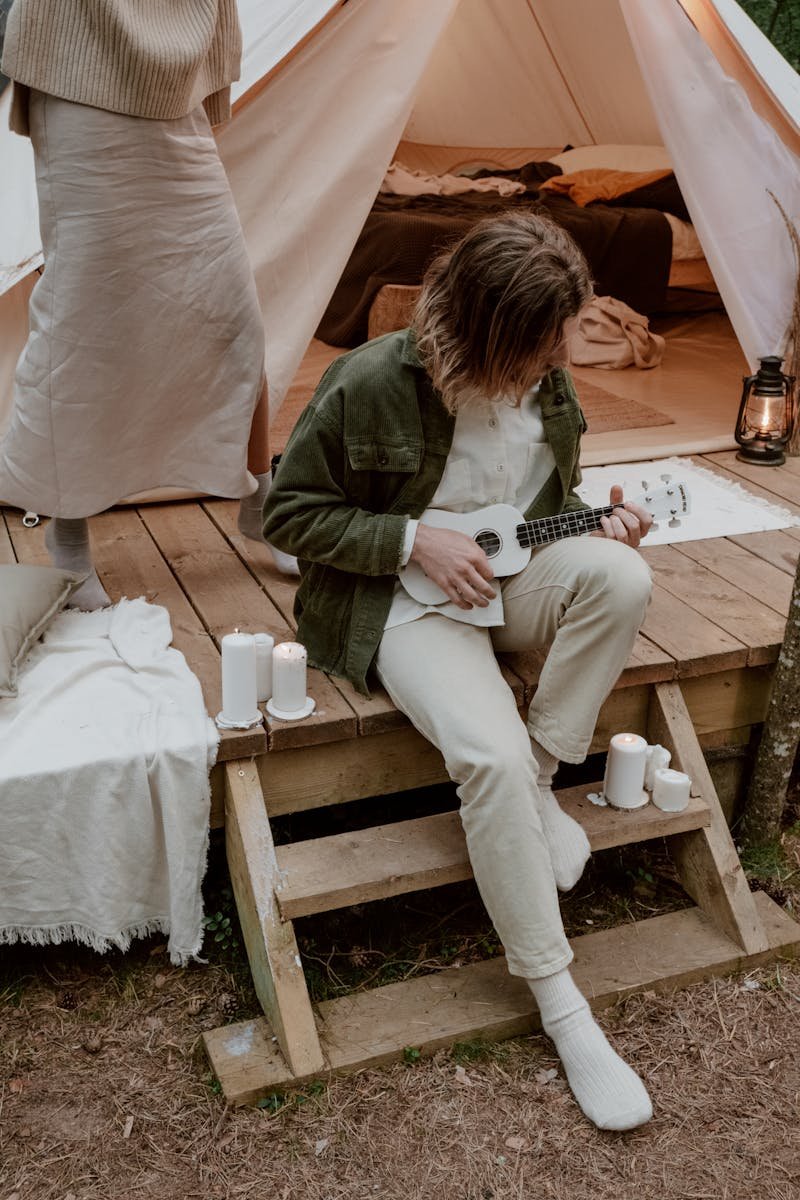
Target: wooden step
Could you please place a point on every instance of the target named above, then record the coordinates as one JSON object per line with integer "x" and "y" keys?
{"x": 370, "y": 1028}
{"x": 407, "y": 856}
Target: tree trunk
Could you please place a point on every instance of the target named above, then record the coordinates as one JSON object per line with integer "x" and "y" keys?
{"x": 766, "y": 797}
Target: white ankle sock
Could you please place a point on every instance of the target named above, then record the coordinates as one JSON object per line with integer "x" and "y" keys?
{"x": 568, "y": 844}
{"x": 251, "y": 523}
{"x": 67, "y": 542}
{"x": 609, "y": 1092}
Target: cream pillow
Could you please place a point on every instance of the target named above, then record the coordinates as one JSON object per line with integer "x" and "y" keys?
{"x": 30, "y": 597}
{"x": 615, "y": 158}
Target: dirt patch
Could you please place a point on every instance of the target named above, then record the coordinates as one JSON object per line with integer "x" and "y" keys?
{"x": 105, "y": 1093}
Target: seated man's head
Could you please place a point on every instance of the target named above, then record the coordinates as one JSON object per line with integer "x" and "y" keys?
{"x": 495, "y": 311}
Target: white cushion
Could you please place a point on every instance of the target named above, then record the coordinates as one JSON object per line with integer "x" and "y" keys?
{"x": 30, "y": 597}
{"x": 615, "y": 158}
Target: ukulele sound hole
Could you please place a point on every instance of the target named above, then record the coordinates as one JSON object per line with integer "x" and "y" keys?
{"x": 490, "y": 542}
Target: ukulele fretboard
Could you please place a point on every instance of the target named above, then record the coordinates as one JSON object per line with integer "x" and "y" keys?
{"x": 568, "y": 524}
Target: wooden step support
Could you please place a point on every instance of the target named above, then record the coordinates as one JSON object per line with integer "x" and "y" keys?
{"x": 706, "y": 858}
{"x": 270, "y": 942}
{"x": 407, "y": 856}
{"x": 369, "y": 1029}
{"x": 728, "y": 928}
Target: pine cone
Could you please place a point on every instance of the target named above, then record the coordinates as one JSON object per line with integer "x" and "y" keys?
{"x": 359, "y": 957}
{"x": 228, "y": 1005}
{"x": 67, "y": 1000}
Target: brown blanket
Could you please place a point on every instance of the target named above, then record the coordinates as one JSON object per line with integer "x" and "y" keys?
{"x": 628, "y": 250}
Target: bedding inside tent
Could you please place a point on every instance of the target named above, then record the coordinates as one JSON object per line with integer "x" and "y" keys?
{"x": 332, "y": 92}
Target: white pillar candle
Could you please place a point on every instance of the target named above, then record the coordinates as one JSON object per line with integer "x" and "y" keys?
{"x": 623, "y": 786}
{"x": 239, "y": 703}
{"x": 264, "y": 647}
{"x": 657, "y": 757}
{"x": 289, "y": 700}
{"x": 671, "y": 790}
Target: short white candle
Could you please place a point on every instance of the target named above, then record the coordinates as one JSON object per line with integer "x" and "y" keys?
{"x": 239, "y": 704}
{"x": 657, "y": 757}
{"x": 264, "y": 647}
{"x": 623, "y": 786}
{"x": 289, "y": 660}
{"x": 671, "y": 790}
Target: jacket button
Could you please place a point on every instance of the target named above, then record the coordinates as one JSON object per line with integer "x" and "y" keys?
{"x": 559, "y": 399}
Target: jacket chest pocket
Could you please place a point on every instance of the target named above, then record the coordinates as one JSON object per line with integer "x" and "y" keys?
{"x": 377, "y": 470}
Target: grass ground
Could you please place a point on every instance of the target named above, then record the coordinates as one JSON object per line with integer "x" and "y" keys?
{"x": 105, "y": 1093}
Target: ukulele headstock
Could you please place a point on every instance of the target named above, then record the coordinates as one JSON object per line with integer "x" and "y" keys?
{"x": 671, "y": 501}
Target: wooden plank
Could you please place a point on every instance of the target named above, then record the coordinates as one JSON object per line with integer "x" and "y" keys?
{"x": 647, "y": 663}
{"x": 727, "y": 701}
{"x": 296, "y": 780}
{"x": 781, "y": 483}
{"x": 429, "y": 1012}
{"x": 299, "y": 779}
{"x": 130, "y": 564}
{"x": 733, "y": 610}
{"x": 697, "y": 644}
{"x": 225, "y": 594}
{"x": 406, "y": 856}
{"x": 773, "y": 546}
{"x": 271, "y": 945}
{"x": 707, "y": 861}
{"x": 7, "y": 555}
{"x": 749, "y": 573}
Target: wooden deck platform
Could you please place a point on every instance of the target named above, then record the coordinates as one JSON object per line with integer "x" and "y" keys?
{"x": 706, "y": 653}
{"x": 715, "y": 622}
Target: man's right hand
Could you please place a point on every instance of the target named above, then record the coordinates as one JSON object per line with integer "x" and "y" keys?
{"x": 456, "y": 563}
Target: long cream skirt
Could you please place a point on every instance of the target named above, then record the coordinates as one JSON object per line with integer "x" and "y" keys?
{"x": 144, "y": 360}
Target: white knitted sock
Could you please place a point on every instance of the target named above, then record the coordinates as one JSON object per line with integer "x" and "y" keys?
{"x": 251, "y": 524}
{"x": 609, "y": 1092}
{"x": 67, "y": 542}
{"x": 568, "y": 844}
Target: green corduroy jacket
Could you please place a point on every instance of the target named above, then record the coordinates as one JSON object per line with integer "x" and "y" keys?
{"x": 366, "y": 454}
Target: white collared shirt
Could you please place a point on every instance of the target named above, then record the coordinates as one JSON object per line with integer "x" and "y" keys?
{"x": 499, "y": 455}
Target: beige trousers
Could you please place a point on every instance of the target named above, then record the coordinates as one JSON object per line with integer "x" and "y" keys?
{"x": 145, "y": 356}
{"x": 586, "y": 599}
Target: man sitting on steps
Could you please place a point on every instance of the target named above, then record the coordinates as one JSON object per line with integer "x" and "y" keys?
{"x": 470, "y": 407}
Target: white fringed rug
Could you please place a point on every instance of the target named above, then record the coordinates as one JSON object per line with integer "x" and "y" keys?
{"x": 719, "y": 507}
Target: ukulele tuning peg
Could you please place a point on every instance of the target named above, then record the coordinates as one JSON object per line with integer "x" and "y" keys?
{"x": 654, "y": 527}
{"x": 665, "y": 478}
{"x": 645, "y": 485}
{"x": 674, "y": 523}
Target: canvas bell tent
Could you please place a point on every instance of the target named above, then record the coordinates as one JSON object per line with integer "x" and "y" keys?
{"x": 329, "y": 90}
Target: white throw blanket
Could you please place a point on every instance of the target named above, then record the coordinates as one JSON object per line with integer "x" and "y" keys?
{"x": 104, "y": 791}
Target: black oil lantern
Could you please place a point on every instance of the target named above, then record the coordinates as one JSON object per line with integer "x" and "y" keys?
{"x": 765, "y": 414}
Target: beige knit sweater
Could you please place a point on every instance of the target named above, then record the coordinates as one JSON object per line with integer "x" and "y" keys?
{"x": 145, "y": 58}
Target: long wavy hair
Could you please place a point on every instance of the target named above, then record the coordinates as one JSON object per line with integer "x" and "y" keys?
{"x": 492, "y": 309}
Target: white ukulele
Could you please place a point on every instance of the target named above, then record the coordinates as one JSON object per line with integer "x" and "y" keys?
{"x": 506, "y": 537}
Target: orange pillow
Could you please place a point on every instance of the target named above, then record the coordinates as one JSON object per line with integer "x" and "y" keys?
{"x": 600, "y": 183}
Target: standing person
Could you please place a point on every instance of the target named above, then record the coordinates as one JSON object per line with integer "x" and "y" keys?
{"x": 145, "y": 360}
{"x": 470, "y": 407}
